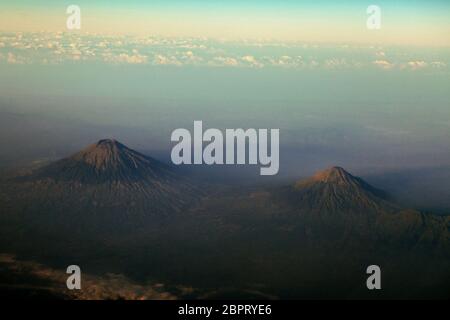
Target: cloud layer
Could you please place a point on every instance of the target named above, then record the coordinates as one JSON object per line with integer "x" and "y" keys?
{"x": 61, "y": 48}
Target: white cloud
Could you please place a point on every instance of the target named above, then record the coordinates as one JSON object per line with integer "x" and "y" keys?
{"x": 252, "y": 61}
{"x": 164, "y": 60}
{"x": 383, "y": 64}
{"x": 225, "y": 61}
{"x": 64, "y": 47}
{"x": 126, "y": 58}
{"x": 417, "y": 64}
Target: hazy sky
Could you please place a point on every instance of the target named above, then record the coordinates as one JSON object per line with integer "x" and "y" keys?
{"x": 339, "y": 93}
{"x": 403, "y": 22}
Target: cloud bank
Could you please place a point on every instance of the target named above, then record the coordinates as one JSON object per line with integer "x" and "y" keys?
{"x": 64, "y": 48}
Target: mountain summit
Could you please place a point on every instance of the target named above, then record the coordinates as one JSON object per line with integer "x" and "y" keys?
{"x": 333, "y": 174}
{"x": 338, "y": 177}
{"x": 106, "y": 154}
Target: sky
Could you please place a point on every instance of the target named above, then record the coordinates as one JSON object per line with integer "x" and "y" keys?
{"x": 339, "y": 93}
{"x": 402, "y": 22}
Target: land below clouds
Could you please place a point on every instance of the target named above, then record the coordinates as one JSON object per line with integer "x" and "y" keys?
{"x": 311, "y": 239}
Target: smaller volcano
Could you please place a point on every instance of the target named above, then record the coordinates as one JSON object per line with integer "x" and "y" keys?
{"x": 335, "y": 190}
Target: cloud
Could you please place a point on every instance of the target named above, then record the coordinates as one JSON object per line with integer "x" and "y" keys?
{"x": 189, "y": 57}
{"x": 59, "y": 48}
{"x": 133, "y": 59}
{"x": 252, "y": 61}
{"x": 285, "y": 61}
{"x": 164, "y": 60}
{"x": 126, "y": 58}
{"x": 417, "y": 64}
{"x": 224, "y": 62}
{"x": 384, "y": 64}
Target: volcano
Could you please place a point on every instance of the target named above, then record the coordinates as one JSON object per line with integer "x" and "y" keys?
{"x": 104, "y": 185}
{"x": 108, "y": 161}
{"x": 338, "y": 207}
{"x": 335, "y": 189}
{"x": 334, "y": 192}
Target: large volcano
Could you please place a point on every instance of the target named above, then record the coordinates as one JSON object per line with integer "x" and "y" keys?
{"x": 105, "y": 185}
{"x": 108, "y": 161}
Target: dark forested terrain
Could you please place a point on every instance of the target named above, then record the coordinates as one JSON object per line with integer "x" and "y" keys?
{"x": 114, "y": 211}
